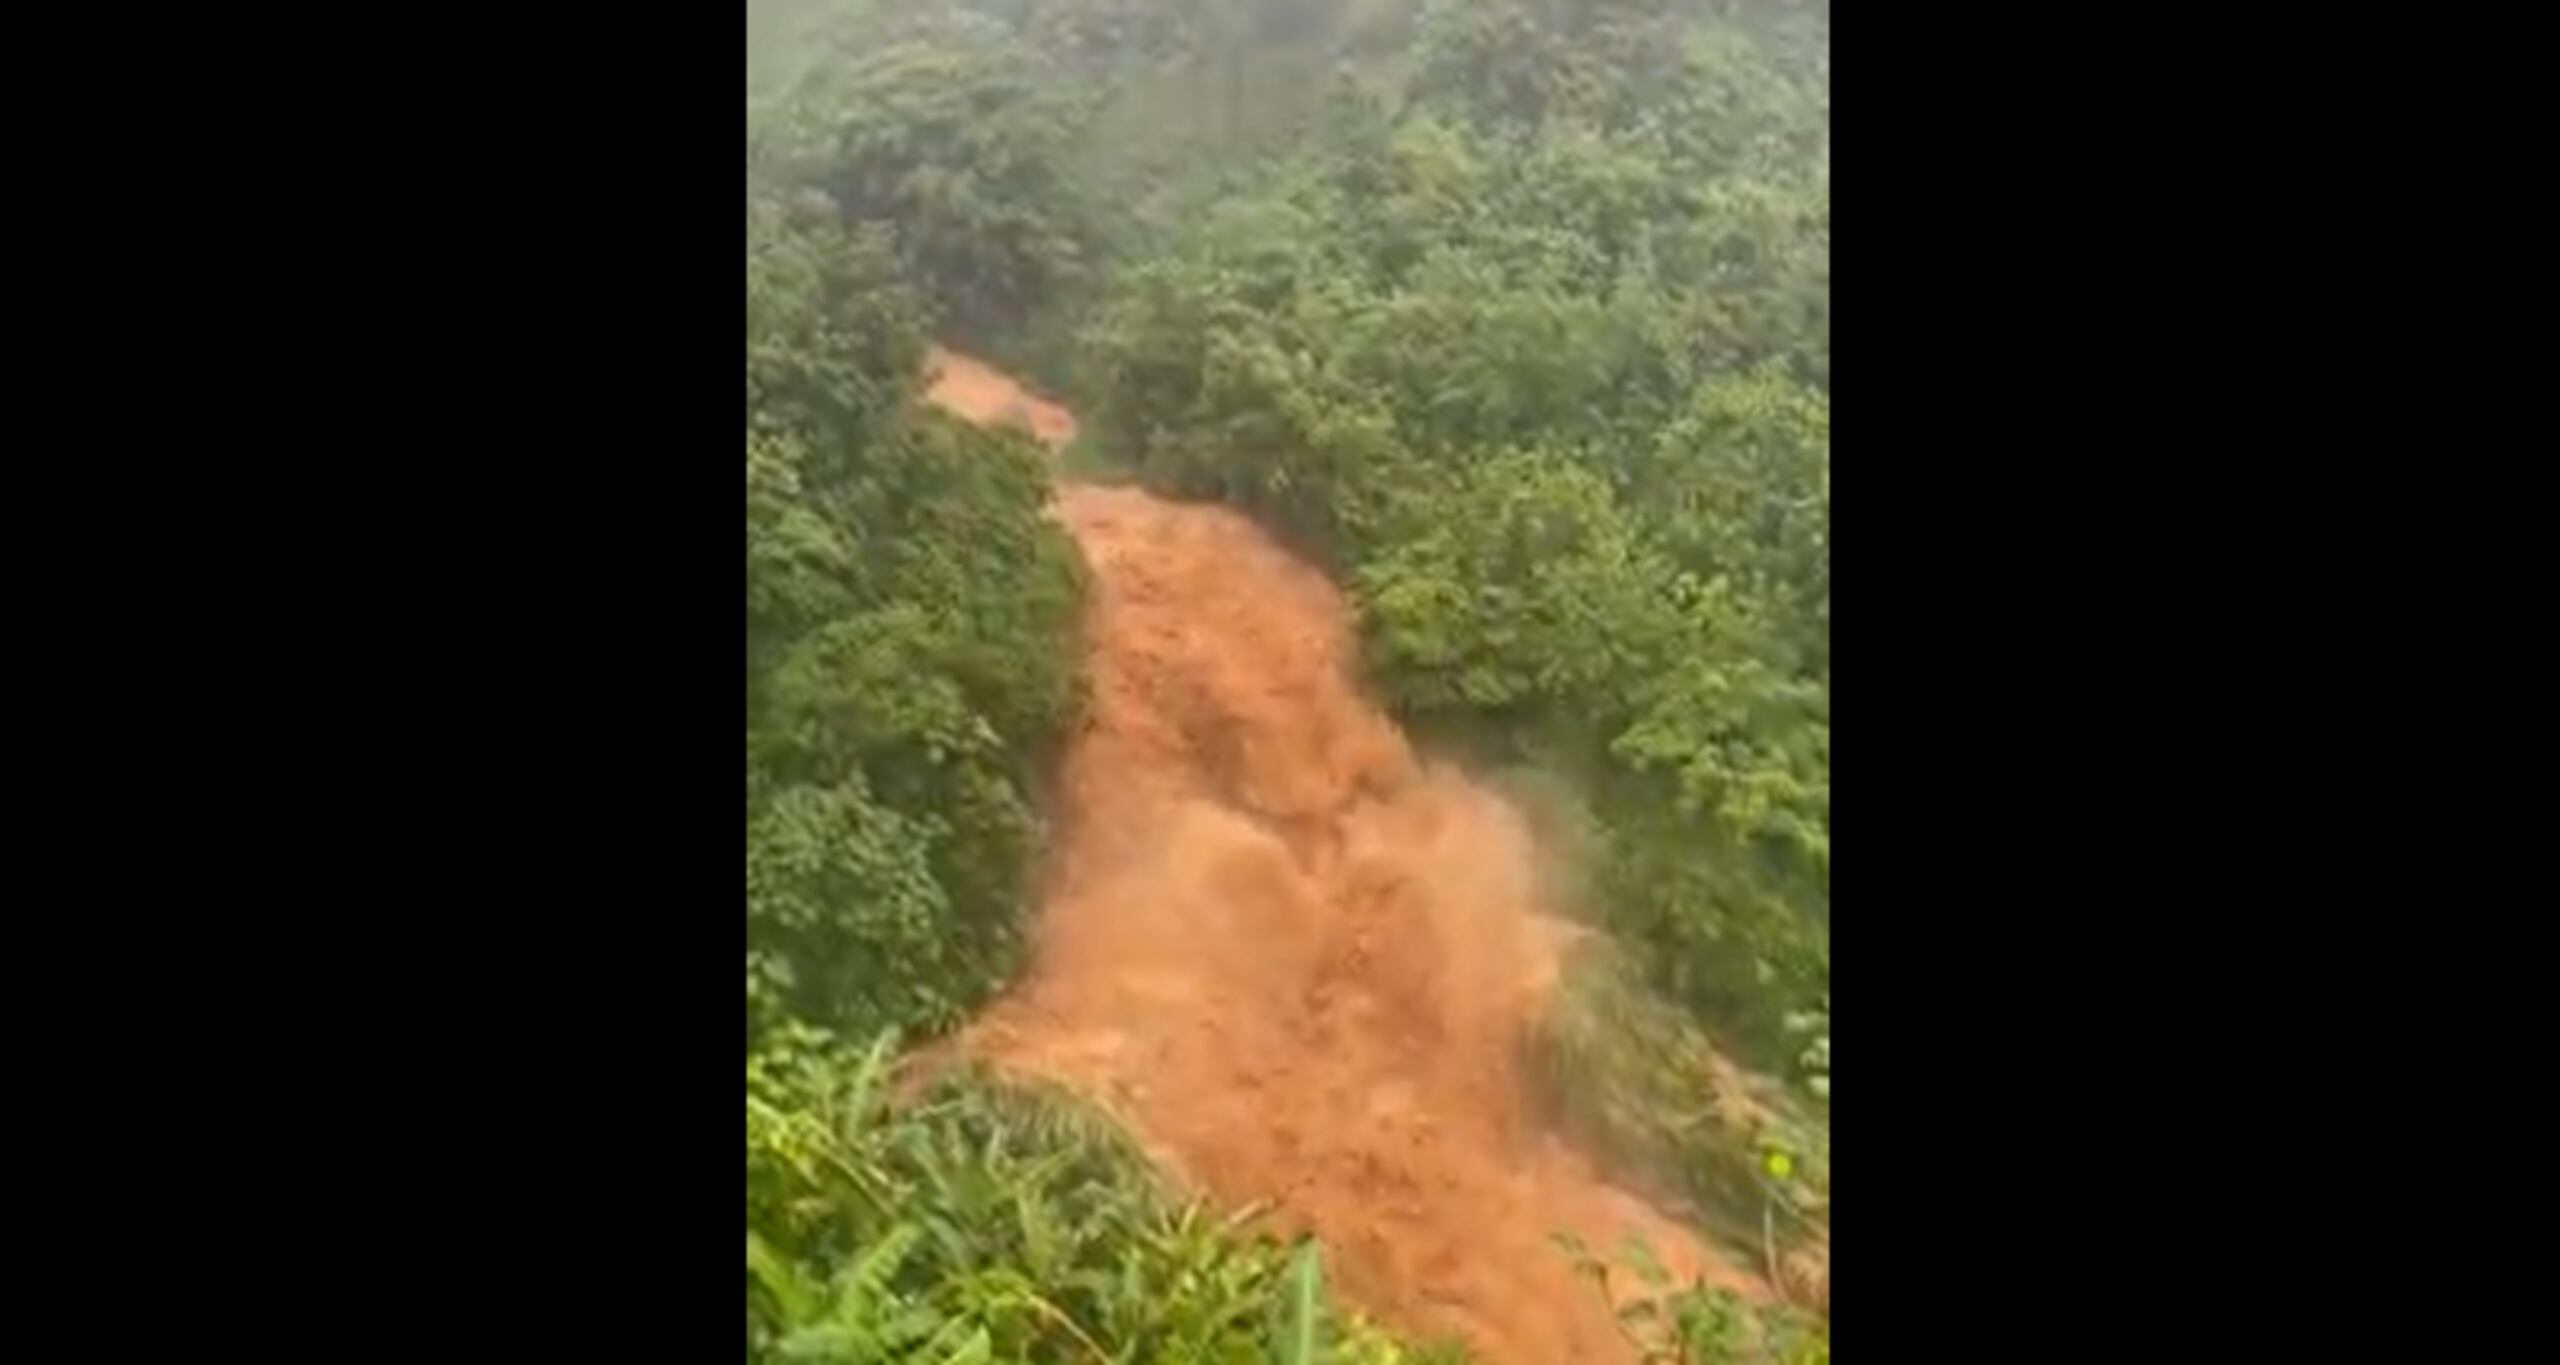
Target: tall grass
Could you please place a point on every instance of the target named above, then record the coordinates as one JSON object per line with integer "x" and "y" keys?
{"x": 1639, "y": 1083}
{"x": 980, "y": 1220}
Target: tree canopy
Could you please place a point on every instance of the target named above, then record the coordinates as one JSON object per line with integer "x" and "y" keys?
{"x": 1539, "y": 357}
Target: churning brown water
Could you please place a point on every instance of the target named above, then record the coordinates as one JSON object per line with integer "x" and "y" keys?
{"x": 1301, "y": 961}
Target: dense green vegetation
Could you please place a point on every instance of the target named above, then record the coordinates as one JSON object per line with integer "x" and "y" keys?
{"x": 909, "y": 630}
{"x": 1540, "y": 359}
{"x": 1515, "y": 313}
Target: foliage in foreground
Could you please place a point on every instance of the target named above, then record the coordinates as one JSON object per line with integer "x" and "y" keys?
{"x": 1698, "y": 1324}
{"x": 978, "y": 1221}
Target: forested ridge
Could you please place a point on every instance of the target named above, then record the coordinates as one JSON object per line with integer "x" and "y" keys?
{"x": 1512, "y": 316}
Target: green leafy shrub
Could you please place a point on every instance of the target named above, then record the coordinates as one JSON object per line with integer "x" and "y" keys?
{"x": 981, "y": 1220}
{"x": 910, "y": 637}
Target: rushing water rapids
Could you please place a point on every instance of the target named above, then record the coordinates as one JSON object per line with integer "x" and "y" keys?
{"x": 1300, "y": 960}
